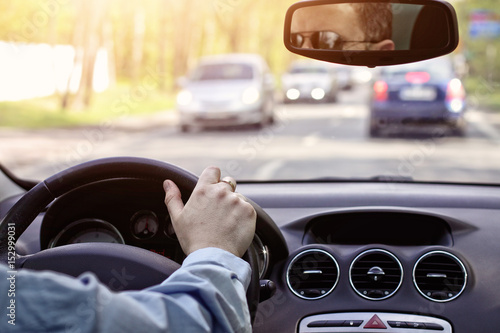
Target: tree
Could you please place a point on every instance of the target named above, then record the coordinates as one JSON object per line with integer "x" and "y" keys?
{"x": 87, "y": 40}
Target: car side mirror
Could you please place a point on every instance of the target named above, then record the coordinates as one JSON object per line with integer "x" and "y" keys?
{"x": 371, "y": 33}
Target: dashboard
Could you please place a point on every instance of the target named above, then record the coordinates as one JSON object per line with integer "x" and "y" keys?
{"x": 344, "y": 256}
{"x": 383, "y": 257}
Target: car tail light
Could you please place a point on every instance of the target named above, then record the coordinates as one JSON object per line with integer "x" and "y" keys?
{"x": 380, "y": 88}
{"x": 455, "y": 95}
{"x": 417, "y": 77}
{"x": 455, "y": 90}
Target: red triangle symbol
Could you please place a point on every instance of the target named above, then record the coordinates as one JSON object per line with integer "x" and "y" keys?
{"x": 375, "y": 322}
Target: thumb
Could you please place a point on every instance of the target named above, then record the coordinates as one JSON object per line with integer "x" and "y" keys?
{"x": 173, "y": 199}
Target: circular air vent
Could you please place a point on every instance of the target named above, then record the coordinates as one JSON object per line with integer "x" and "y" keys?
{"x": 312, "y": 274}
{"x": 376, "y": 274}
{"x": 439, "y": 276}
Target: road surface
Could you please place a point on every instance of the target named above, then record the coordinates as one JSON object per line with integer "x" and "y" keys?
{"x": 307, "y": 141}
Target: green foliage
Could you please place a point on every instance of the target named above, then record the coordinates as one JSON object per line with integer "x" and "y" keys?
{"x": 197, "y": 26}
{"x": 145, "y": 38}
{"x": 120, "y": 101}
{"x": 483, "y": 55}
{"x": 166, "y": 36}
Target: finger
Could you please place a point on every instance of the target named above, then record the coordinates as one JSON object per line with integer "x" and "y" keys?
{"x": 230, "y": 181}
{"x": 241, "y": 196}
{"x": 246, "y": 202}
{"x": 173, "y": 199}
{"x": 211, "y": 175}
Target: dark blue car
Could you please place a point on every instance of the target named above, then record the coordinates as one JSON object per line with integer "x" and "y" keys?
{"x": 426, "y": 93}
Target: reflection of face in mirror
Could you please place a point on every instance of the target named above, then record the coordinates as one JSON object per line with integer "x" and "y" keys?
{"x": 359, "y": 26}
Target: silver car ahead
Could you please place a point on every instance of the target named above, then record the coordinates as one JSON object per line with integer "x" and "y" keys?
{"x": 227, "y": 90}
{"x": 310, "y": 81}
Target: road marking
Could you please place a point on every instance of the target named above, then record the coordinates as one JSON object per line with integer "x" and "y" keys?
{"x": 325, "y": 111}
{"x": 350, "y": 112}
{"x": 269, "y": 170}
{"x": 310, "y": 140}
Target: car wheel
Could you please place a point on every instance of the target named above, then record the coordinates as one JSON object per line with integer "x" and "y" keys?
{"x": 270, "y": 119}
{"x": 374, "y": 131}
{"x": 458, "y": 131}
{"x": 459, "y": 128}
{"x": 332, "y": 98}
{"x": 265, "y": 118}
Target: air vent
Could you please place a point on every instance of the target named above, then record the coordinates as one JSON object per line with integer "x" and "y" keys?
{"x": 376, "y": 274}
{"x": 312, "y": 274}
{"x": 440, "y": 276}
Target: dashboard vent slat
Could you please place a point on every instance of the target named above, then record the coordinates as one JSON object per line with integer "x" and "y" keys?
{"x": 376, "y": 274}
{"x": 439, "y": 276}
{"x": 312, "y": 274}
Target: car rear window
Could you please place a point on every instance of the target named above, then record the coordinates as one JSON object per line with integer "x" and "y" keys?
{"x": 438, "y": 69}
{"x": 223, "y": 72}
{"x": 308, "y": 70}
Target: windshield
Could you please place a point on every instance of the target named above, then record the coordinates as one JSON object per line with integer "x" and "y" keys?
{"x": 82, "y": 80}
{"x": 223, "y": 72}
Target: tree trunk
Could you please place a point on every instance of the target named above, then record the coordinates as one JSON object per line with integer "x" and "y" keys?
{"x": 162, "y": 43}
{"x": 109, "y": 45}
{"x": 182, "y": 37}
{"x": 87, "y": 40}
{"x": 138, "y": 43}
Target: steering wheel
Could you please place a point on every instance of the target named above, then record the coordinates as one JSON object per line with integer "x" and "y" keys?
{"x": 121, "y": 267}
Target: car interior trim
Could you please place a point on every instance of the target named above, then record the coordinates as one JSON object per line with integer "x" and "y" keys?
{"x": 369, "y": 252}
{"x": 440, "y": 276}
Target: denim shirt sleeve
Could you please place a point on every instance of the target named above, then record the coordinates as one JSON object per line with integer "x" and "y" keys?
{"x": 207, "y": 294}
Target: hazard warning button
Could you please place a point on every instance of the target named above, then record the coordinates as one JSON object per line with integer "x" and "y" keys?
{"x": 375, "y": 322}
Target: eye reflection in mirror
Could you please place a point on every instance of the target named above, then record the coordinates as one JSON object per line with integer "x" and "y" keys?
{"x": 354, "y": 26}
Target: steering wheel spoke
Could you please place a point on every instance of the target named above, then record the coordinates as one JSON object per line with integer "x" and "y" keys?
{"x": 120, "y": 267}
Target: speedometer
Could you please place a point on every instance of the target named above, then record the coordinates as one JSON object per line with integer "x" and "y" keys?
{"x": 95, "y": 235}
{"x": 88, "y": 231}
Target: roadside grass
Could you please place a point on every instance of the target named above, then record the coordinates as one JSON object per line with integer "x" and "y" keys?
{"x": 482, "y": 93}
{"x": 116, "y": 102}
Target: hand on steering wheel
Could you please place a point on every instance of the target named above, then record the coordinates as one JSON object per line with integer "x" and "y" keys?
{"x": 214, "y": 216}
{"x": 105, "y": 260}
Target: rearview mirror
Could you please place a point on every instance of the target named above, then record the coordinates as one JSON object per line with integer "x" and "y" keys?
{"x": 371, "y": 33}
